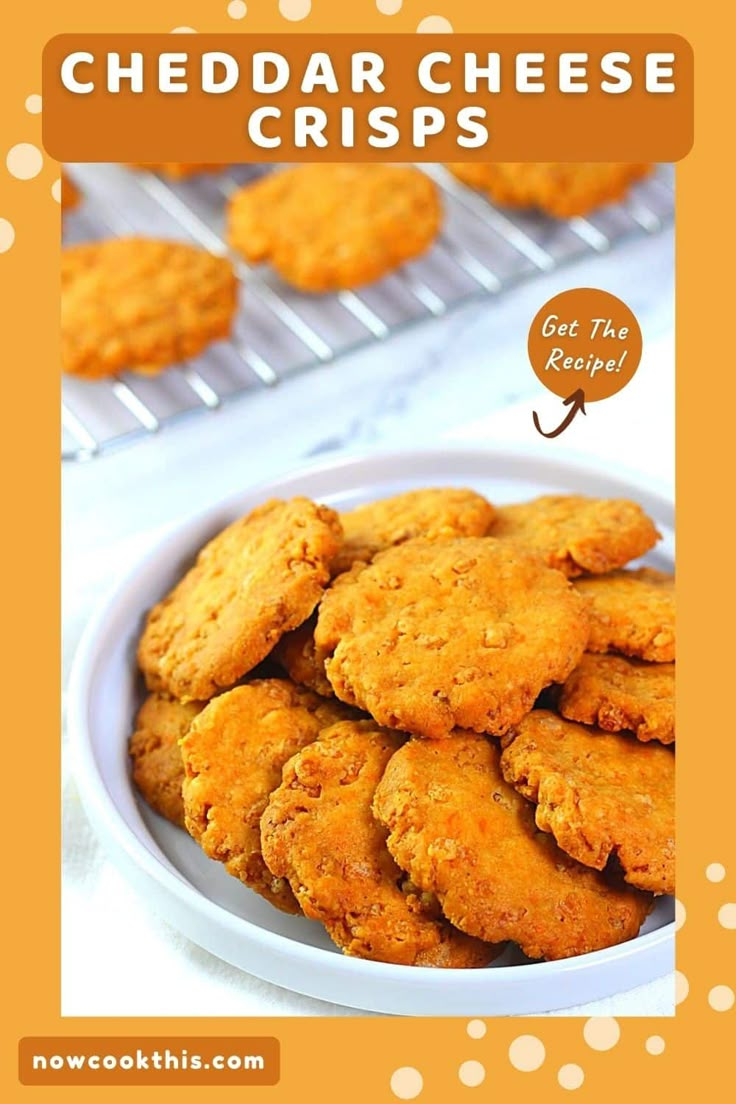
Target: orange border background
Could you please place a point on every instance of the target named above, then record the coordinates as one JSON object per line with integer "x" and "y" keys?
{"x": 353, "y": 1058}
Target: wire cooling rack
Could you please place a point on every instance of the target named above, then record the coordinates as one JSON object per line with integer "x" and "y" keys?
{"x": 482, "y": 251}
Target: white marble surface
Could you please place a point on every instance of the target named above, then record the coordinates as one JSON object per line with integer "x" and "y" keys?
{"x": 463, "y": 379}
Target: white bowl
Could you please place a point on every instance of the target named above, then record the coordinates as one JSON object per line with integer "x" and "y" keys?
{"x": 197, "y": 896}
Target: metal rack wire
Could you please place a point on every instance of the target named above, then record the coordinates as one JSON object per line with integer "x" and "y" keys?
{"x": 279, "y": 332}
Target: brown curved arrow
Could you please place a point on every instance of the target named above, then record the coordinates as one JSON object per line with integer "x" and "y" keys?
{"x": 576, "y": 402}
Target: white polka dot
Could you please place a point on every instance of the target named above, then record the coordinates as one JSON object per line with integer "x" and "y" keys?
{"x": 601, "y": 1032}
{"x": 526, "y": 1053}
{"x": 56, "y": 189}
{"x": 721, "y": 998}
{"x": 682, "y": 987}
{"x": 434, "y": 24}
{"x": 183, "y": 30}
{"x": 7, "y": 235}
{"x": 24, "y": 161}
{"x": 727, "y": 916}
{"x": 655, "y": 1045}
{"x": 570, "y": 1076}
{"x": 406, "y": 1083}
{"x": 33, "y": 104}
{"x": 389, "y": 7}
{"x": 295, "y": 9}
{"x": 716, "y": 872}
{"x": 472, "y": 1074}
{"x": 476, "y": 1029}
{"x": 680, "y": 914}
{"x": 237, "y": 9}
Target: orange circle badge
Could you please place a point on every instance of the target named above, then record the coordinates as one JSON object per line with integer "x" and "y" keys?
{"x": 585, "y": 340}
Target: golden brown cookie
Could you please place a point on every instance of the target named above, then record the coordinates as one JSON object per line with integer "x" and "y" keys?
{"x": 70, "y": 193}
{"x": 319, "y": 833}
{"x": 462, "y": 833}
{"x": 557, "y": 188}
{"x": 140, "y": 304}
{"x": 158, "y": 771}
{"x": 436, "y": 513}
{"x": 325, "y": 227}
{"x": 177, "y": 170}
{"x": 437, "y": 634}
{"x": 618, "y": 694}
{"x": 575, "y": 534}
{"x": 297, "y": 653}
{"x": 598, "y": 795}
{"x": 256, "y": 580}
{"x": 233, "y": 755}
{"x": 632, "y": 612}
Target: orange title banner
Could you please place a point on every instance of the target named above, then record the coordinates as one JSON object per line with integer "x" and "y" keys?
{"x": 379, "y": 97}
